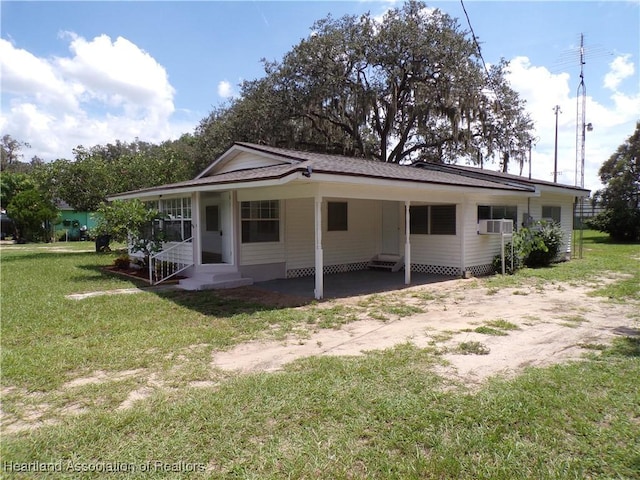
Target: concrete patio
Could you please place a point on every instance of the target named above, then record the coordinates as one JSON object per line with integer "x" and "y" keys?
{"x": 349, "y": 284}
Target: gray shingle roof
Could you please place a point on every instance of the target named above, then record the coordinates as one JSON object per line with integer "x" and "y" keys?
{"x": 298, "y": 161}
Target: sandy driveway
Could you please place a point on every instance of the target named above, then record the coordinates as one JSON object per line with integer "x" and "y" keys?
{"x": 545, "y": 324}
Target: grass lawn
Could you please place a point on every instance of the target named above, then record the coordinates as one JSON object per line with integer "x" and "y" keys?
{"x": 386, "y": 414}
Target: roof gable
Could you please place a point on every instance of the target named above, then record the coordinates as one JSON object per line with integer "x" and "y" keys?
{"x": 239, "y": 158}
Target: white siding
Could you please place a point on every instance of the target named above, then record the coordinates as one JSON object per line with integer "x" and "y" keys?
{"x": 358, "y": 244}
{"x": 362, "y": 239}
{"x": 443, "y": 250}
{"x": 246, "y": 161}
{"x": 299, "y": 233}
{"x": 261, "y": 253}
{"x": 481, "y": 249}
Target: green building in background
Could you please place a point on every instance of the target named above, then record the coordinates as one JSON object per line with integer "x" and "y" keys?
{"x": 73, "y": 225}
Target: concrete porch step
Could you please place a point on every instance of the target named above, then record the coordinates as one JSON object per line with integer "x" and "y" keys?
{"x": 386, "y": 261}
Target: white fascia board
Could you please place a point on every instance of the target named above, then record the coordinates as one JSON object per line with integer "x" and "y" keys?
{"x": 182, "y": 191}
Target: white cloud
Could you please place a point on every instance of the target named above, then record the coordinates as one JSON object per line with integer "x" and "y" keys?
{"x": 620, "y": 68}
{"x": 225, "y": 90}
{"x": 102, "y": 91}
{"x": 612, "y": 122}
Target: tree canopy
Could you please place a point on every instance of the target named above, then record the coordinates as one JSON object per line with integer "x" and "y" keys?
{"x": 409, "y": 87}
{"x": 621, "y": 195}
{"x": 102, "y": 170}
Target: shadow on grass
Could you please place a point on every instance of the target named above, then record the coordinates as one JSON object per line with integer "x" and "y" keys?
{"x": 96, "y": 273}
{"x": 603, "y": 239}
{"x": 628, "y": 346}
{"x": 8, "y": 257}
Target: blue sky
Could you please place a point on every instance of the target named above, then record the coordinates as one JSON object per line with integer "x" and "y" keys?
{"x": 93, "y": 72}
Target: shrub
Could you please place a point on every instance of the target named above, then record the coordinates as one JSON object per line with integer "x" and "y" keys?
{"x": 546, "y": 249}
{"x": 122, "y": 262}
{"x": 537, "y": 246}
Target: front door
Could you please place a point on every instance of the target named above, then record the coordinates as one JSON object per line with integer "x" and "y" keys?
{"x": 215, "y": 234}
{"x": 390, "y": 227}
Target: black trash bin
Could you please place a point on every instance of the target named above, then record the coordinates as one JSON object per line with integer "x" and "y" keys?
{"x": 102, "y": 243}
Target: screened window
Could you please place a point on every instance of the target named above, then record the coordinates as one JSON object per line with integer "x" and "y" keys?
{"x": 553, "y": 213}
{"x": 337, "y": 216}
{"x": 260, "y": 221}
{"x": 432, "y": 219}
{"x": 177, "y": 218}
{"x": 443, "y": 220}
{"x": 496, "y": 212}
{"x": 419, "y": 219}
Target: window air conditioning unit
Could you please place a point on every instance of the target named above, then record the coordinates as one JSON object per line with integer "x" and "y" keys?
{"x": 495, "y": 227}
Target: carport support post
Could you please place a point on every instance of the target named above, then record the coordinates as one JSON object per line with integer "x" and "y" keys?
{"x": 407, "y": 243}
{"x": 319, "y": 290}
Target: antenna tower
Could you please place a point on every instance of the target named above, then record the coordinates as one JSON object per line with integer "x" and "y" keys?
{"x": 581, "y": 118}
{"x": 581, "y": 127}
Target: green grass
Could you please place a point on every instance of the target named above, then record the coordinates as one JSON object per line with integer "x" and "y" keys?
{"x": 75, "y": 337}
{"x": 386, "y": 414}
{"x": 471, "y": 348}
{"x": 602, "y": 258}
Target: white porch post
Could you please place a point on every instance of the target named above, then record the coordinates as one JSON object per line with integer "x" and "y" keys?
{"x": 196, "y": 228}
{"x": 407, "y": 243}
{"x": 319, "y": 290}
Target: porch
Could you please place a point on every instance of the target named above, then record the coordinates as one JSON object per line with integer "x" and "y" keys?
{"x": 349, "y": 284}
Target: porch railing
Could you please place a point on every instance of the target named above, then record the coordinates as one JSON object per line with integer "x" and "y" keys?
{"x": 170, "y": 261}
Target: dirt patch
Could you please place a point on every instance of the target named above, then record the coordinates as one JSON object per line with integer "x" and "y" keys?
{"x": 551, "y": 324}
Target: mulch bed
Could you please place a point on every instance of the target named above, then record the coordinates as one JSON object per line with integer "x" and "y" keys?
{"x": 139, "y": 274}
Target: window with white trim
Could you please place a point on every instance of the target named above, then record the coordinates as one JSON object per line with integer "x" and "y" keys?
{"x": 419, "y": 219}
{"x": 177, "y": 218}
{"x": 552, "y": 212}
{"x": 260, "y": 221}
{"x": 337, "y": 216}
{"x": 497, "y": 212}
{"x": 442, "y": 220}
{"x": 432, "y": 219}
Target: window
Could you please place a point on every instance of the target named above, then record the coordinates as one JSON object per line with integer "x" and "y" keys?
{"x": 432, "y": 219}
{"x": 260, "y": 221}
{"x": 443, "y": 220}
{"x": 496, "y": 212}
{"x": 553, "y": 213}
{"x": 419, "y": 219}
{"x": 212, "y": 220}
{"x": 177, "y": 218}
{"x": 337, "y": 216}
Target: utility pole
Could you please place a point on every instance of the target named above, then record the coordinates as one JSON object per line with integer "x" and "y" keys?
{"x": 529, "y": 159}
{"x": 557, "y": 110}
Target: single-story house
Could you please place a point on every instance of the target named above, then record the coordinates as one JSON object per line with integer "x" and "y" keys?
{"x": 259, "y": 213}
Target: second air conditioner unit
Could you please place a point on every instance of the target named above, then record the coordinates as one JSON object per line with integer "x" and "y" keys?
{"x": 495, "y": 227}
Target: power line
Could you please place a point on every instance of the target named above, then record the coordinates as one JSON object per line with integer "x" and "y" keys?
{"x": 475, "y": 40}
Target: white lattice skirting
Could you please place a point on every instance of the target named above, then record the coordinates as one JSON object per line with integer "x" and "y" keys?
{"x": 477, "y": 270}
{"x": 482, "y": 270}
{"x": 341, "y": 268}
{"x": 436, "y": 269}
